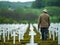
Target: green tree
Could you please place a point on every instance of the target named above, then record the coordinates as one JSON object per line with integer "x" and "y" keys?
{"x": 3, "y": 9}
{"x": 38, "y": 4}
{"x": 52, "y": 2}
{"x": 44, "y": 3}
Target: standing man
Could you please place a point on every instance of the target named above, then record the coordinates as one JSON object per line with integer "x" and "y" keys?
{"x": 44, "y": 23}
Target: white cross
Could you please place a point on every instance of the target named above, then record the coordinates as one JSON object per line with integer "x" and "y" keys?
{"x": 32, "y": 33}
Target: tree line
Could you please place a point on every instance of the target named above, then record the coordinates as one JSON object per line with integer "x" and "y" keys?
{"x": 44, "y": 3}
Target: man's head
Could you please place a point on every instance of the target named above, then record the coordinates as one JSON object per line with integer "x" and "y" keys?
{"x": 45, "y": 10}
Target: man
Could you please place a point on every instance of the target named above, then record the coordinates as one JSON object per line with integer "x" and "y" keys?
{"x": 44, "y": 23}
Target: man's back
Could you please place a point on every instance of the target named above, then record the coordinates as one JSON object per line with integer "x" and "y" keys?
{"x": 44, "y": 20}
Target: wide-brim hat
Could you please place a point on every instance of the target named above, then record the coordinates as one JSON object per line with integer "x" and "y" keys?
{"x": 45, "y": 10}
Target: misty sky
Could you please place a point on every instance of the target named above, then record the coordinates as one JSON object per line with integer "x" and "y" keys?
{"x": 18, "y": 0}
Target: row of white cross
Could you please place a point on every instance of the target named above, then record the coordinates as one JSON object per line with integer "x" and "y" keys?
{"x": 13, "y": 30}
{"x": 32, "y": 33}
{"x": 53, "y": 28}
{"x": 19, "y": 30}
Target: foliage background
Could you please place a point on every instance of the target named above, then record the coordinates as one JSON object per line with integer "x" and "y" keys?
{"x": 28, "y": 12}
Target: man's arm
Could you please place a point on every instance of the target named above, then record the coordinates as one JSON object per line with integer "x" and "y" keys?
{"x": 49, "y": 20}
{"x": 39, "y": 23}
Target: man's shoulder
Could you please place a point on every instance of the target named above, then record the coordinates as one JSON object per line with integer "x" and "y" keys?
{"x": 47, "y": 14}
{"x": 43, "y": 15}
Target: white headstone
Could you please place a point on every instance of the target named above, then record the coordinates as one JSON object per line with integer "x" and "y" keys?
{"x": 19, "y": 36}
{"x": 32, "y": 33}
{"x": 14, "y": 37}
{"x": 59, "y": 35}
